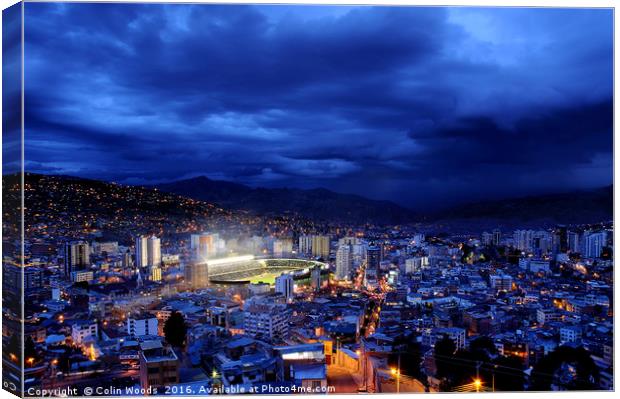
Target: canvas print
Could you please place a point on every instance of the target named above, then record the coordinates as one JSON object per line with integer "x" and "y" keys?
{"x": 203, "y": 199}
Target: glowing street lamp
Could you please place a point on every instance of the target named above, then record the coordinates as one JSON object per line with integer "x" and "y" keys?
{"x": 396, "y": 372}
{"x": 477, "y": 384}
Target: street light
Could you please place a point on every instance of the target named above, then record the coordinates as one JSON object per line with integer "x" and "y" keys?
{"x": 477, "y": 384}
{"x": 364, "y": 365}
{"x": 396, "y": 372}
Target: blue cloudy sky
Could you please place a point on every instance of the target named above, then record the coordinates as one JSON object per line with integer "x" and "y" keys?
{"x": 423, "y": 106}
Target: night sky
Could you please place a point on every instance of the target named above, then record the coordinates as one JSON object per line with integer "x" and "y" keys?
{"x": 422, "y": 106}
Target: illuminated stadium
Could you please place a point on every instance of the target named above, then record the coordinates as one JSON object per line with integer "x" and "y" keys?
{"x": 247, "y": 269}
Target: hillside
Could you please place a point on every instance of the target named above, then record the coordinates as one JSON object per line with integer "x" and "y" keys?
{"x": 577, "y": 207}
{"x": 315, "y": 204}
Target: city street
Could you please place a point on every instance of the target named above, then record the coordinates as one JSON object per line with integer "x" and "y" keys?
{"x": 342, "y": 379}
{"x": 406, "y": 385}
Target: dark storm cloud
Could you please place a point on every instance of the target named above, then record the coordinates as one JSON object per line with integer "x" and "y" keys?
{"x": 385, "y": 102}
{"x": 11, "y": 89}
{"x": 582, "y": 132}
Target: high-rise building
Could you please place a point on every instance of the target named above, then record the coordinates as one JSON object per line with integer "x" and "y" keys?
{"x": 142, "y": 325}
{"x": 148, "y": 251}
{"x": 77, "y": 257}
{"x": 373, "y": 261}
{"x": 349, "y": 241}
{"x": 267, "y": 320}
{"x": 594, "y": 243}
{"x": 159, "y": 366}
{"x": 320, "y": 246}
{"x": 542, "y": 242}
{"x": 305, "y": 245}
{"x": 497, "y": 237}
{"x": 562, "y": 234}
{"x": 344, "y": 262}
{"x": 109, "y": 247}
{"x": 487, "y": 238}
{"x": 282, "y": 248}
{"x": 33, "y": 280}
{"x": 197, "y": 274}
{"x": 523, "y": 239}
{"x": 205, "y": 245}
{"x": 556, "y": 243}
{"x": 141, "y": 251}
{"x": 284, "y": 286}
{"x": 155, "y": 273}
{"x": 573, "y": 241}
{"x": 315, "y": 277}
{"x": 126, "y": 260}
{"x": 256, "y": 244}
{"x": 154, "y": 251}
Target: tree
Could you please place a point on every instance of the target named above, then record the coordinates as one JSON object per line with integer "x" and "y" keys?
{"x": 444, "y": 362}
{"x": 65, "y": 359}
{"x": 175, "y": 329}
{"x": 13, "y": 349}
{"x": 31, "y": 355}
{"x": 410, "y": 357}
{"x": 484, "y": 345}
{"x": 566, "y": 367}
{"x": 464, "y": 365}
{"x": 507, "y": 375}
{"x": 82, "y": 284}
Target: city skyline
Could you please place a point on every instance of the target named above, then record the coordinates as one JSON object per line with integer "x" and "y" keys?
{"x": 276, "y": 96}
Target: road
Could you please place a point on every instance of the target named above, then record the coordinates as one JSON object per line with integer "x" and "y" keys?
{"x": 341, "y": 379}
{"x": 407, "y": 384}
{"x": 93, "y": 381}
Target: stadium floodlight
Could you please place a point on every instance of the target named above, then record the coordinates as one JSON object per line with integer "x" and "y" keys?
{"x": 231, "y": 259}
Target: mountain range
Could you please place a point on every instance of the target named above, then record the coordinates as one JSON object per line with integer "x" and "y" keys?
{"x": 316, "y": 204}
{"x": 80, "y": 195}
{"x": 575, "y": 207}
